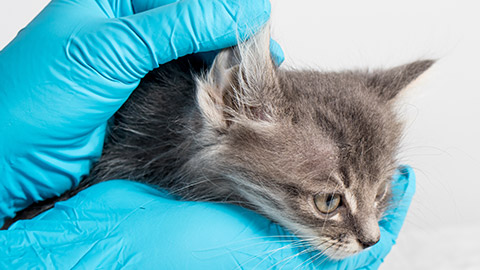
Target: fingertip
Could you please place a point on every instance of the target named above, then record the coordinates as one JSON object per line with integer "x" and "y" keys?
{"x": 403, "y": 189}
{"x": 405, "y": 180}
{"x": 277, "y": 53}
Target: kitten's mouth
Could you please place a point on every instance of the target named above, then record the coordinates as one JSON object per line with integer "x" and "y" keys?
{"x": 339, "y": 249}
{"x": 339, "y": 253}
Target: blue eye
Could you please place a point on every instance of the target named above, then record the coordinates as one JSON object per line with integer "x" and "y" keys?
{"x": 327, "y": 202}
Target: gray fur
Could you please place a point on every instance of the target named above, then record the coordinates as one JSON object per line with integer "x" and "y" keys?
{"x": 270, "y": 139}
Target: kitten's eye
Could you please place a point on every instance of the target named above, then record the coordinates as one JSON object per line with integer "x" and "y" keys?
{"x": 327, "y": 203}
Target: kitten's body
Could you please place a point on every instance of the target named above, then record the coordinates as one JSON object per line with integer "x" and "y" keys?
{"x": 266, "y": 138}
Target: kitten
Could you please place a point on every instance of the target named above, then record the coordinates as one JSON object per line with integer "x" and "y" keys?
{"x": 313, "y": 151}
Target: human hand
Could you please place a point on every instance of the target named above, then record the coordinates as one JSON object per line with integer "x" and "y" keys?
{"x": 98, "y": 228}
{"x": 76, "y": 63}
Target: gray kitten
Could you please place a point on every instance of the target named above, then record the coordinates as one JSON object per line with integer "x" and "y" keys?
{"x": 313, "y": 151}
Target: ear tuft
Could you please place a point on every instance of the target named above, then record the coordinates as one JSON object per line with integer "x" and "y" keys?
{"x": 388, "y": 83}
{"x": 236, "y": 83}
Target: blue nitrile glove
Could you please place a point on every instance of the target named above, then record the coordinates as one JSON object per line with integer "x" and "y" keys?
{"x": 100, "y": 228}
{"x": 75, "y": 64}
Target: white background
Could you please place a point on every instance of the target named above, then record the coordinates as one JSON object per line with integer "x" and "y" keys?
{"x": 442, "y": 230}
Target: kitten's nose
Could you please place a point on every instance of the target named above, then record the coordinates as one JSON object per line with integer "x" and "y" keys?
{"x": 368, "y": 243}
{"x": 368, "y": 231}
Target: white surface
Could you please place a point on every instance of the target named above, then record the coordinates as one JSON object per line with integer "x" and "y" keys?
{"x": 442, "y": 230}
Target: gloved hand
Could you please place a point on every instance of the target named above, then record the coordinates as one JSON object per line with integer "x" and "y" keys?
{"x": 75, "y": 64}
{"x": 99, "y": 228}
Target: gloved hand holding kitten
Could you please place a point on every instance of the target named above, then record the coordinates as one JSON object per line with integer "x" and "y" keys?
{"x": 62, "y": 78}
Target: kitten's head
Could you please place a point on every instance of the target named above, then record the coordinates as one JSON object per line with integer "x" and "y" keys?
{"x": 313, "y": 151}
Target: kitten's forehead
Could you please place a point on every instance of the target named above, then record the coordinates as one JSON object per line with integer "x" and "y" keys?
{"x": 361, "y": 130}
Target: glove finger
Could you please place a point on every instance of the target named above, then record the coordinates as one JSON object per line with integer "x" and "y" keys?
{"x": 133, "y": 45}
{"x": 403, "y": 189}
{"x": 277, "y": 53}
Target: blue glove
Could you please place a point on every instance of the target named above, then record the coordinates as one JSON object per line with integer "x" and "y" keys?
{"x": 76, "y": 63}
{"x": 98, "y": 228}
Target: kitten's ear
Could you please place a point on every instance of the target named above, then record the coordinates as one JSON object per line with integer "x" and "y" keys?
{"x": 388, "y": 83}
{"x": 236, "y": 84}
